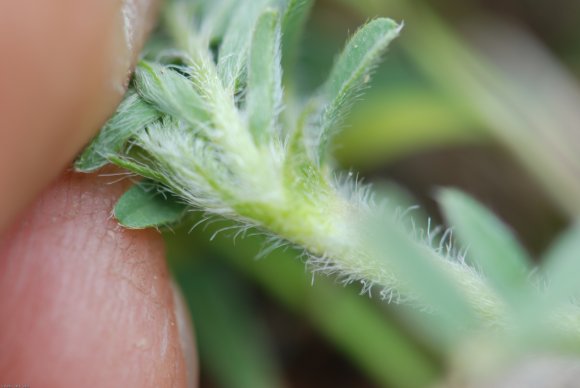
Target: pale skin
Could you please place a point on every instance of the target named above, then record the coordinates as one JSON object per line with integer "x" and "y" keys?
{"x": 83, "y": 302}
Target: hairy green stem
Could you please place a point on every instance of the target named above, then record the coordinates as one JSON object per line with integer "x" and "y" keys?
{"x": 206, "y": 127}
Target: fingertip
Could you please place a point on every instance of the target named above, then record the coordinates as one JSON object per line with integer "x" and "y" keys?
{"x": 64, "y": 68}
{"x": 90, "y": 304}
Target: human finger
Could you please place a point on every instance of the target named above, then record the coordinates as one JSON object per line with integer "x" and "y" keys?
{"x": 86, "y": 303}
{"x": 64, "y": 68}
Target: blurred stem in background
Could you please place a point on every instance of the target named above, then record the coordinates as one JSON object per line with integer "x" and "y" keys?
{"x": 525, "y": 101}
{"x": 353, "y": 323}
{"x": 230, "y": 336}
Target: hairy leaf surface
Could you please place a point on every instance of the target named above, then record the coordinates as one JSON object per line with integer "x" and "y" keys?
{"x": 264, "y": 76}
{"x": 143, "y": 206}
{"x": 351, "y": 73}
{"x": 133, "y": 115}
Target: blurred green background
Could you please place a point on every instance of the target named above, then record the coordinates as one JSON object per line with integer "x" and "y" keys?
{"x": 479, "y": 95}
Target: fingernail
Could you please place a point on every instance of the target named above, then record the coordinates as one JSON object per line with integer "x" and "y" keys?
{"x": 186, "y": 339}
{"x": 136, "y": 20}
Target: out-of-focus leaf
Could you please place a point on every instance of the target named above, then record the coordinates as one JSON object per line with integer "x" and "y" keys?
{"x": 353, "y": 323}
{"x": 386, "y": 126}
{"x": 214, "y": 15}
{"x": 264, "y": 95}
{"x": 143, "y": 206}
{"x": 236, "y": 41}
{"x": 293, "y": 22}
{"x": 509, "y": 103}
{"x": 492, "y": 246}
{"x": 426, "y": 281}
{"x": 230, "y": 336}
{"x": 561, "y": 265}
{"x": 401, "y": 201}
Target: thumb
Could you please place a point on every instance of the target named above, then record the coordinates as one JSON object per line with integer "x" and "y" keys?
{"x": 86, "y": 303}
{"x": 63, "y": 69}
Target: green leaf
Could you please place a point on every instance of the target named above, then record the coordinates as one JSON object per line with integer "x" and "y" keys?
{"x": 356, "y": 326}
{"x": 179, "y": 21}
{"x": 144, "y": 206}
{"x": 420, "y": 275}
{"x": 216, "y": 17}
{"x": 133, "y": 115}
{"x": 299, "y": 165}
{"x": 231, "y": 336}
{"x": 202, "y": 21}
{"x": 264, "y": 76}
{"x": 561, "y": 265}
{"x": 170, "y": 92}
{"x": 492, "y": 245}
{"x": 236, "y": 42}
{"x": 351, "y": 73}
{"x": 293, "y": 22}
{"x": 133, "y": 165}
